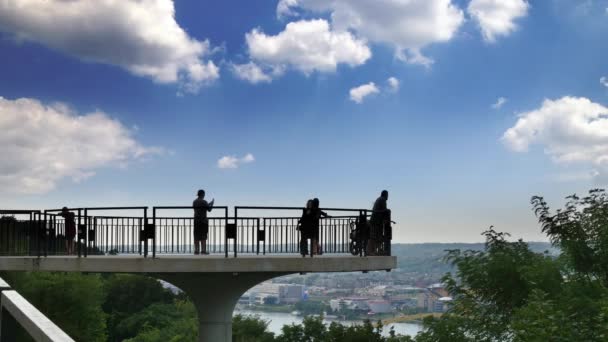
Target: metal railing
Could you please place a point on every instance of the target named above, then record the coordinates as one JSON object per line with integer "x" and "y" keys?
{"x": 130, "y": 230}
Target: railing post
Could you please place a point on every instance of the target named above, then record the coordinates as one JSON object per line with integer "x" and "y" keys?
{"x": 86, "y": 233}
{"x": 226, "y": 233}
{"x": 40, "y": 227}
{"x": 236, "y": 225}
{"x": 39, "y": 234}
{"x": 257, "y": 236}
{"x": 46, "y": 240}
{"x": 144, "y": 232}
{"x": 95, "y": 233}
{"x": 362, "y": 238}
{"x": 78, "y": 234}
{"x": 154, "y": 233}
{"x": 140, "y": 221}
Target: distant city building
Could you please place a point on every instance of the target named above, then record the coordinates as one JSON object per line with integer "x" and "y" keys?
{"x": 338, "y": 292}
{"x": 379, "y": 306}
{"x": 352, "y": 303}
{"x": 271, "y": 293}
{"x": 442, "y": 304}
{"x": 404, "y": 303}
{"x": 434, "y": 299}
{"x": 265, "y": 299}
{"x": 290, "y": 294}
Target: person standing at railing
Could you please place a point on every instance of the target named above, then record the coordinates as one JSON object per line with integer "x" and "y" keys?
{"x": 380, "y": 217}
{"x": 317, "y": 213}
{"x": 70, "y": 229}
{"x": 305, "y": 228}
{"x": 201, "y": 222}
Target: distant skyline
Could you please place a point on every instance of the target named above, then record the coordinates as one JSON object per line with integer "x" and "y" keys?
{"x": 463, "y": 110}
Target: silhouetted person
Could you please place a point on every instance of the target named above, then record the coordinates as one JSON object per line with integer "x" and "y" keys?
{"x": 70, "y": 229}
{"x": 305, "y": 227}
{"x": 380, "y": 218}
{"x": 316, "y": 216}
{"x": 201, "y": 222}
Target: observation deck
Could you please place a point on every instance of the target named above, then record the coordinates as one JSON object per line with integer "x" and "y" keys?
{"x": 250, "y": 246}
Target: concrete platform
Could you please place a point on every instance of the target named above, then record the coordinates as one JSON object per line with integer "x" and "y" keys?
{"x": 199, "y": 264}
{"x": 213, "y": 283}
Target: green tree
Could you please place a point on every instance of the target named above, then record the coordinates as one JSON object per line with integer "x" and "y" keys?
{"x": 506, "y": 292}
{"x": 580, "y": 230}
{"x": 491, "y": 285}
{"x": 365, "y": 332}
{"x": 250, "y": 329}
{"x": 310, "y": 307}
{"x": 126, "y": 296}
{"x": 175, "y": 322}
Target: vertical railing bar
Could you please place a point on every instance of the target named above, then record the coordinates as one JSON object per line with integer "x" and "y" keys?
{"x": 122, "y": 234}
{"x": 154, "y": 233}
{"x": 265, "y": 237}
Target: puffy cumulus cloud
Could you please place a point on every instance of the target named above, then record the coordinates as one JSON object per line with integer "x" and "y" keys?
{"x": 497, "y": 17}
{"x": 250, "y": 72}
{"x": 358, "y": 94}
{"x": 393, "y": 84}
{"x": 407, "y": 25}
{"x": 499, "y": 102}
{"x": 571, "y": 130}
{"x": 232, "y": 162}
{"x": 307, "y": 46}
{"x": 42, "y": 144}
{"x": 140, "y": 36}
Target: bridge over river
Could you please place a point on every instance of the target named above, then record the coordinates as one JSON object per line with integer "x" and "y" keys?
{"x": 250, "y": 246}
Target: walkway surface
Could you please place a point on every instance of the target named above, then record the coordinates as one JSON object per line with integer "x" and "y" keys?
{"x": 199, "y": 264}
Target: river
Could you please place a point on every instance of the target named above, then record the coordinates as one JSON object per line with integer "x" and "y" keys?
{"x": 278, "y": 320}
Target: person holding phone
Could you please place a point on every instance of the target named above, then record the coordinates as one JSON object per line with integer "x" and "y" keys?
{"x": 201, "y": 222}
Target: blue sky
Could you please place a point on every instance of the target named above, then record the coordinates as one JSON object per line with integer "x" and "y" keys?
{"x": 165, "y": 117}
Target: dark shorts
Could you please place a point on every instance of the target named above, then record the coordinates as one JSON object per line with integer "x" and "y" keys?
{"x": 70, "y": 233}
{"x": 314, "y": 233}
{"x": 201, "y": 230}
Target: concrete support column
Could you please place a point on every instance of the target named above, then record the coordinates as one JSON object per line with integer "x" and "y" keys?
{"x": 215, "y": 296}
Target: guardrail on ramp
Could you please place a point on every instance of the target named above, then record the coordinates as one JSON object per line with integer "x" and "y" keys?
{"x": 34, "y": 322}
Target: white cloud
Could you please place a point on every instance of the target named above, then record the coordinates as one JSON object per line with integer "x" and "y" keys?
{"x": 499, "y": 102}
{"x": 284, "y": 8}
{"x": 228, "y": 162}
{"x": 250, "y": 72}
{"x": 248, "y": 158}
{"x": 604, "y": 81}
{"x": 140, "y": 36}
{"x": 497, "y": 17}
{"x": 358, "y": 94}
{"x": 393, "y": 84}
{"x": 232, "y": 162}
{"x": 571, "y": 130}
{"x": 307, "y": 46}
{"x": 407, "y": 25}
{"x": 43, "y": 144}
